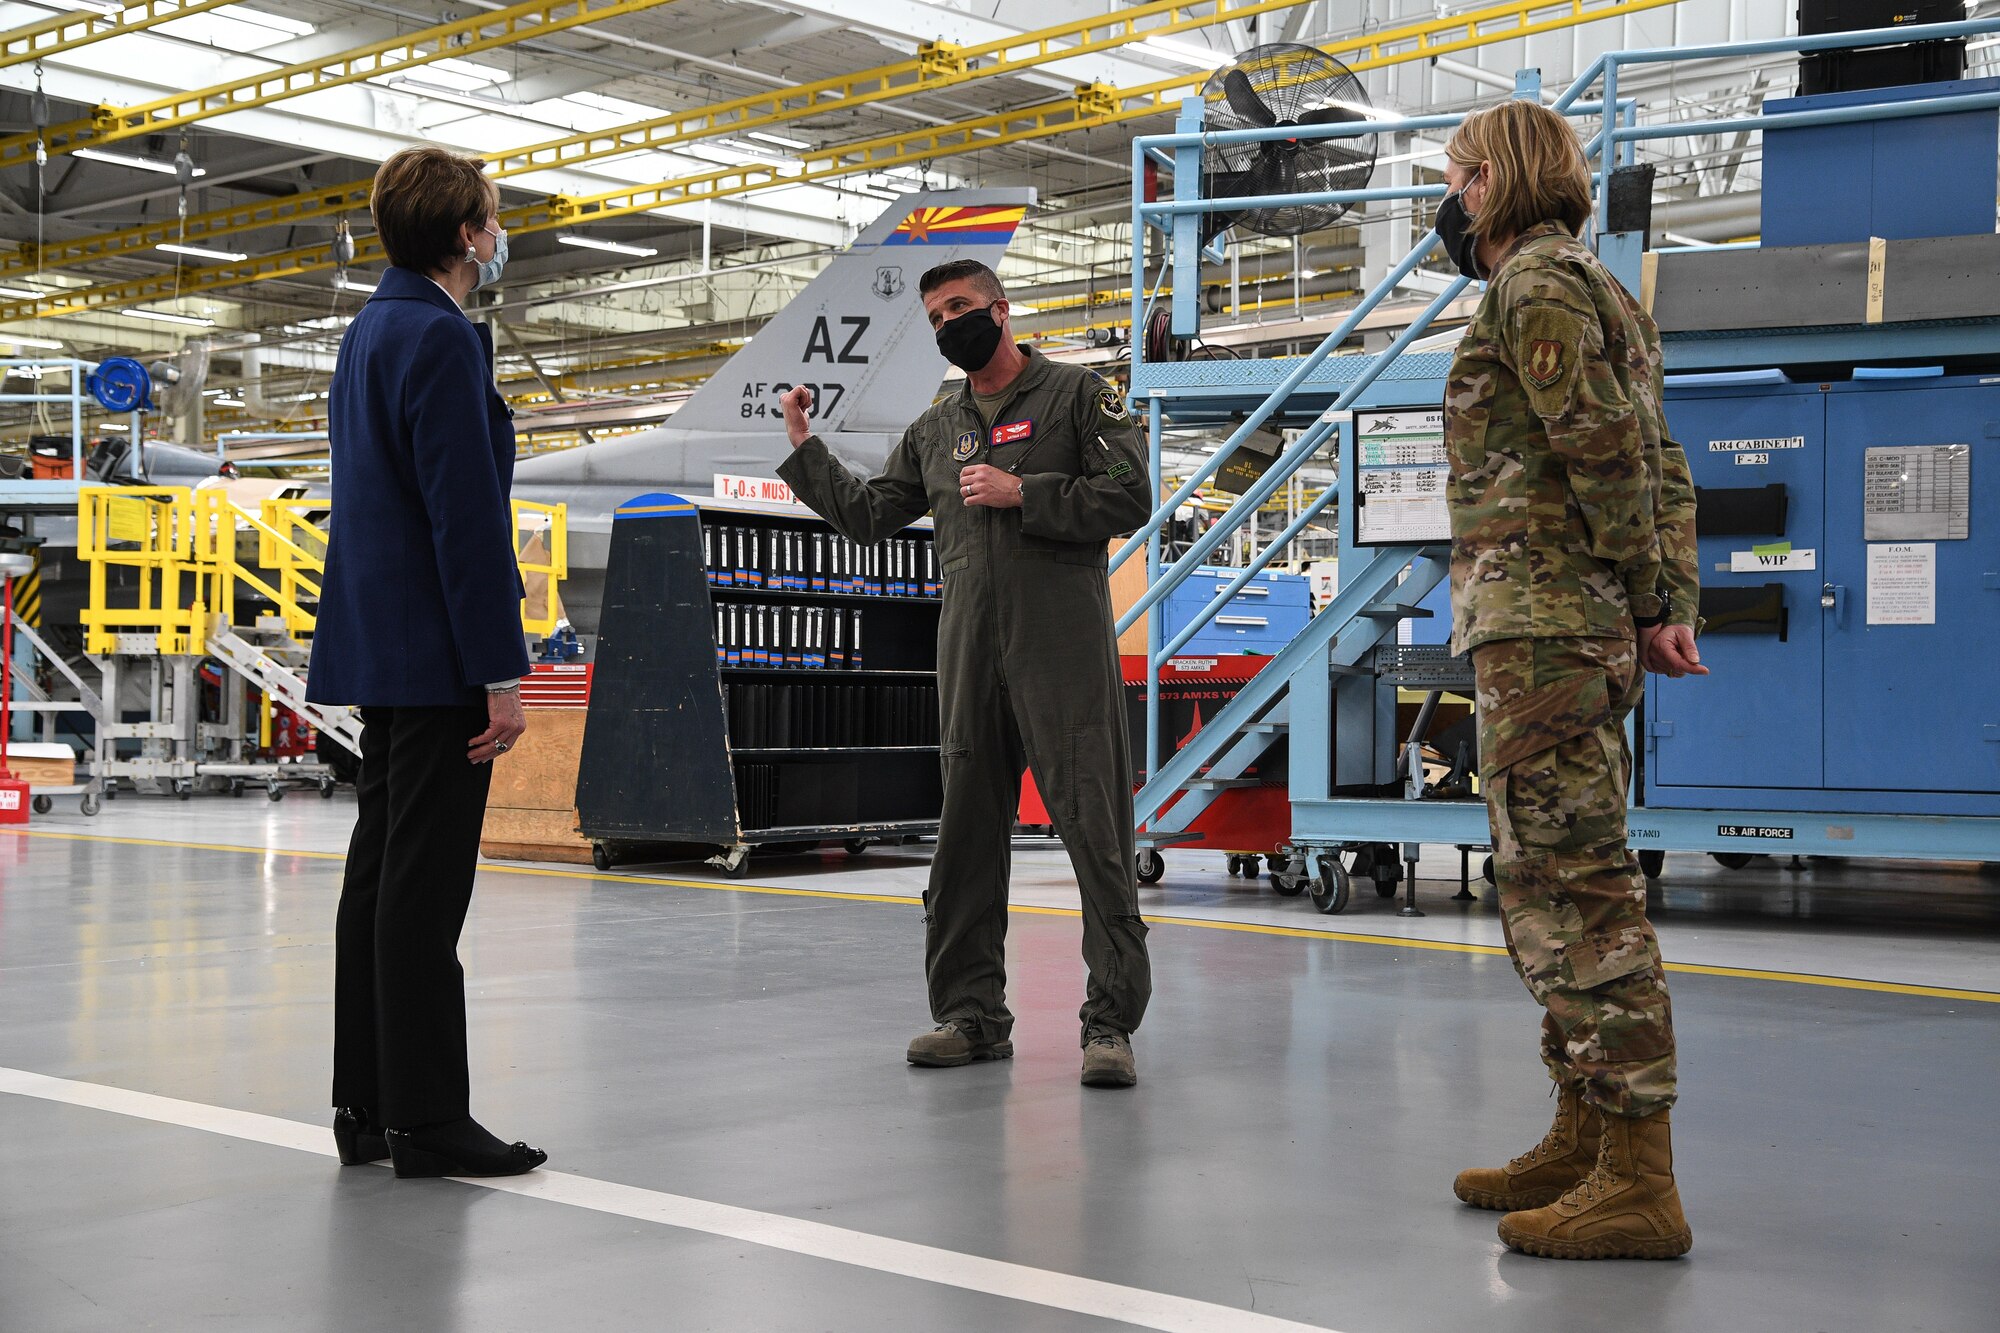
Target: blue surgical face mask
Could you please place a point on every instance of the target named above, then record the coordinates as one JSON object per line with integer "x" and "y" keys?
{"x": 489, "y": 269}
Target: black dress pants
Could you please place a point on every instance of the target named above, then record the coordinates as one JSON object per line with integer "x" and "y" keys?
{"x": 399, "y": 992}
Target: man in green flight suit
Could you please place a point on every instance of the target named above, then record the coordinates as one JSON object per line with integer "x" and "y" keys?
{"x": 1028, "y": 470}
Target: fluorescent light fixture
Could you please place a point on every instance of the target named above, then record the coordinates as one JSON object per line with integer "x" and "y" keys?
{"x": 30, "y": 342}
{"x": 228, "y": 402}
{"x": 347, "y": 282}
{"x": 782, "y": 142}
{"x": 477, "y": 103}
{"x": 113, "y": 425}
{"x": 22, "y": 293}
{"x": 94, "y": 6}
{"x": 263, "y": 18}
{"x": 234, "y": 256}
{"x": 1187, "y": 53}
{"x": 167, "y": 317}
{"x": 615, "y": 247}
{"x": 129, "y": 160}
{"x": 25, "y": 372}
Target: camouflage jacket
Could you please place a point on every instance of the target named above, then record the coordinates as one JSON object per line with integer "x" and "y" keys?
{"x": 1571, "y": 509}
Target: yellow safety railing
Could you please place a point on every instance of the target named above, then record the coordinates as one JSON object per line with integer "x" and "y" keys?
{"x": 149, "y": 530}
{"x": 196, "y": 551}
{"x": 544, "y": 561}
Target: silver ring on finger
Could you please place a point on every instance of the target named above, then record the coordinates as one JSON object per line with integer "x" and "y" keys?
{"x": 501, "y": 747}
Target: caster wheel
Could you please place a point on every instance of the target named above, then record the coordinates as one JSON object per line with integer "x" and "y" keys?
{"x": 1151, "y": 866}
{"x": 1652, "y": 863}
{"x": 1384, "y": 890}
{"x": 183, "y": 789}
{"x": 89, "y": 806}
{"x": 1277, "y": 865}
{"x": 44, "y": 804}
{"x": 1734, "y": 860}
{"x": 1332, "y": 889}
{"x": 739, "y": 870}
{"x": 600, "y": 856}
{"x": 275, "y": 792}
{"x": 326, "y": 789}
{"x": 1284, "y": 882}
{"x": 1486, "y": 871}
{"x": 1234, "y": 864}
{"x": 856, "y": 846}
{"x": 236, "y": 787}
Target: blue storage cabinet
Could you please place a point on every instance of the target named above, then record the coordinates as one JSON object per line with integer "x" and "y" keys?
{"x": 1264, "y": 616}
{"x": 1809, "y": 706}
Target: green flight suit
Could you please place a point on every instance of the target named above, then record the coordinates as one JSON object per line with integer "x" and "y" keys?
{"x": 1027, "y": 669}
{"x": 1572, "y": 510}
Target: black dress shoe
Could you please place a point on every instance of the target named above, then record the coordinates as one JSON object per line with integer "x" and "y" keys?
{"x": 434, "y": 1150}
{"x": 358, "y": 1140}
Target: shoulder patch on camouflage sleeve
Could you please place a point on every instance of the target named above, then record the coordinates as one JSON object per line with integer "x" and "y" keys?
{"x": 1548, "y": 348}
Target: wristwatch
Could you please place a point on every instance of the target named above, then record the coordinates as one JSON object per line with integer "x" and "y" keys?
{"x": 1666, "y": 611}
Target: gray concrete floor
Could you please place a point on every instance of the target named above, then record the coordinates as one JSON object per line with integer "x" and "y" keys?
{"x": 1309, "y": 1085}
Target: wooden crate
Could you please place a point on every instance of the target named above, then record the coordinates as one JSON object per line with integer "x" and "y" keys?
{"x": 1128, "y": 584}
{"x": 531, "y": 808}
{"x": 42, "y": 765}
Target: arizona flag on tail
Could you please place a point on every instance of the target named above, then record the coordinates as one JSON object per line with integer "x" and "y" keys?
{"x": 957, "y": 226}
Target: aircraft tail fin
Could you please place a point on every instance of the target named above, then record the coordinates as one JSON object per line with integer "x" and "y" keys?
{"x": 857, "y": 333}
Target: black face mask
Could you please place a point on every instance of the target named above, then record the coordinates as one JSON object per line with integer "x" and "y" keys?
{"x": 969, "y": 341}
{"x": 1459, "y": 243}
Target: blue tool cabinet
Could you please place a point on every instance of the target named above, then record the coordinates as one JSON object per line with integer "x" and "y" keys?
{"x": 1810, "y": 706}
{"x": 1264, "y": 616}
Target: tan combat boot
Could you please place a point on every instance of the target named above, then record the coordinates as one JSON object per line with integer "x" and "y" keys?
{"x": 1627, "y": 1208}
{"x": 1544, "y": 1173}
{"x": 948, "y": 1045}
{"x": 1108, "y": 1063}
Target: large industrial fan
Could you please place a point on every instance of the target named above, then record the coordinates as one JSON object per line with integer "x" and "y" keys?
{"x": 1284, "y": 83}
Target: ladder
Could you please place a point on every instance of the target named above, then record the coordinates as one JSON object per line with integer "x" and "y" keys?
{"x": 275, "y": 663}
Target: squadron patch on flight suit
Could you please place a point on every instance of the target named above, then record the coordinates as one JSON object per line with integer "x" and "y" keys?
{"x": 1111, "y": 403}
{"x": 967, "y": 446}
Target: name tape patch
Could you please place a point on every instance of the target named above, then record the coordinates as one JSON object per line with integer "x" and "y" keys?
{"x": 1013, "y": 431}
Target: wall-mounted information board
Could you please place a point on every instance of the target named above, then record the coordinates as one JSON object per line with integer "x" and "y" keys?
{"x": 1398, "y": 473}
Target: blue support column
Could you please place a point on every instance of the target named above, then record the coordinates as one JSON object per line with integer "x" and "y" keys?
{"x": 1186, "y": 304}
{"x": 1155, "y": 426}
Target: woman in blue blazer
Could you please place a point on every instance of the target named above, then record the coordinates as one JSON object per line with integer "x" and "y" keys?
{"x": 419, "y": 626}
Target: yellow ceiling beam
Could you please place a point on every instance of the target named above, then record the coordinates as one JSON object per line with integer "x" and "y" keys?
{"x": 1091, "y": 106}
{"x": 463, "y": 37}
{"x": 935, "y": 67}
{"x": 66, "y": 32}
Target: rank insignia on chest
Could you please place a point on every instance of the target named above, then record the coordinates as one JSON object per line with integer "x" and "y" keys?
{"x": 1544, "y": 364}
{"x": 1013, "y": 432}
{"x": 967, "y": 446}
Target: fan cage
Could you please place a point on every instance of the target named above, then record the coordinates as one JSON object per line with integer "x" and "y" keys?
{"x": 1292, "y": 80}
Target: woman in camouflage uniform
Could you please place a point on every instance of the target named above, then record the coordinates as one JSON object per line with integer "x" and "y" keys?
{"x": 1573, "y": 570}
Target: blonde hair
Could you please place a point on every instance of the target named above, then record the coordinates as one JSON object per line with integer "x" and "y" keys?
{"x": 1538, "y": 170}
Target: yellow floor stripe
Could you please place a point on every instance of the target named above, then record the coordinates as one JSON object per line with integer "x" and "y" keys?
{"x": 1240, "y": 927}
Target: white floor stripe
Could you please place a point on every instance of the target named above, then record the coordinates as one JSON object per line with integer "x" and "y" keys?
{"x": 925, "y": 1263}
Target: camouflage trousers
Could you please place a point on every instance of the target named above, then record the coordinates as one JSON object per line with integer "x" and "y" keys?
{"x": 1555, "y": 767}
